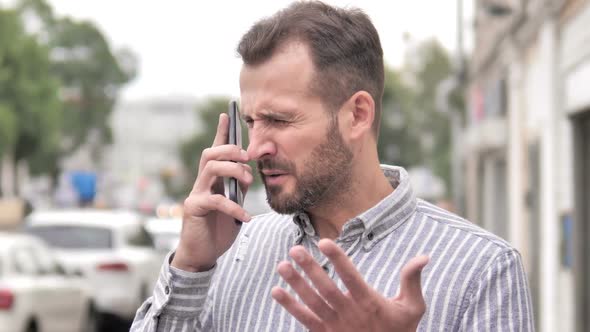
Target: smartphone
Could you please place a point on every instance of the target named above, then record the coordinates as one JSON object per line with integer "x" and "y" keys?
{"x": 235, "y": 137}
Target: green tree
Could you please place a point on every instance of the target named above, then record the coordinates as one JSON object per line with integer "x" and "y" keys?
{"x": 413, "y": 132}
{"x": 89, "y": 72}
{"x": 399, "y": 142}
{"x": 59, "y": 81}
{"x": 30, "y": 110}
{"x": 90, "y": 76}
{"x": 433, "y": 66}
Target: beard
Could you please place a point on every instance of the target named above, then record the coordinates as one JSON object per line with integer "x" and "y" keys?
{"x": 326, "y": 173}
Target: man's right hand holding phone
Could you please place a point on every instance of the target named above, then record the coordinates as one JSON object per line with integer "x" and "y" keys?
{"x": 208, "y": 227}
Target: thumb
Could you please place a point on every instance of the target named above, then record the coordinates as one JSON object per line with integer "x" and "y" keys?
{"x": 410, "y": 288}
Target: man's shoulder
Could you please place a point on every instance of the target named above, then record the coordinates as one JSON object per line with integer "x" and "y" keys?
{"x": 443, "y": 218}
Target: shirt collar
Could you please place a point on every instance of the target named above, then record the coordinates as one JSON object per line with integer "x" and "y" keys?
{"x": 379, "y": 220}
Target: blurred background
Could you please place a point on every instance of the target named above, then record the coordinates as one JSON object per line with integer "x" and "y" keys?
{"x": 105, "y": 108}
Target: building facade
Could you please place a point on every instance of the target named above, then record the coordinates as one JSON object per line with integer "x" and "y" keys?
{"x": 574, "y": 68}
{"x": 527, "y": 146}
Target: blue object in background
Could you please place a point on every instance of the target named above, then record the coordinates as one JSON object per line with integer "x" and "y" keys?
{"x": 567, "y": 241}
{"x": 85, "y": 185}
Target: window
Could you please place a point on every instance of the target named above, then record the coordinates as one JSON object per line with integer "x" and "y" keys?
{"x": 74, "y": 237}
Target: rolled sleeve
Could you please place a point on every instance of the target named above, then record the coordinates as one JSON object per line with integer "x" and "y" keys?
{"x": 499, "y": 299}
{"x": 177, "y": 302}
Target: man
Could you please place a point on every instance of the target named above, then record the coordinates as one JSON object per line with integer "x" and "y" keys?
{"x": 330, "y": 258}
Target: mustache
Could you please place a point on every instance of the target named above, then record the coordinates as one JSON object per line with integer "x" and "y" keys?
{"x": 275, "y": 164}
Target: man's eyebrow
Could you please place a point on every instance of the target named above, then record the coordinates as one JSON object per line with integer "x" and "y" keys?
{"x": 271, "y": 114}
{"x": 277, "y": 115}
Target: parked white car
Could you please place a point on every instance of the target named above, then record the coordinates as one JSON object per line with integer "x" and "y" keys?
{"x": 111, "y": 248}
{"x": 36, "y": 294}
{"x": 165, "y": 232}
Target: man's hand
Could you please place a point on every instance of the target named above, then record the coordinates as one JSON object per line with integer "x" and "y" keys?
{"x": 361, "y": 308}
{"x": 208, "y": 227}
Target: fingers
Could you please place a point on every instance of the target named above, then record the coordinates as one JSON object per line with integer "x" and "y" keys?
{"x": 223, "y": 153}
{"x": 410, "y": 287}
{"x": 222, "y": 130}
{"x": 325, "y": 286}
{"x": 206, "y": 203}
{"x": 220, "y": 161}
{"x": 298, "y": 310}
{"x": 214, "y": 170}
{"x": 352, "y": 279}
{"x": 307, "y": 294}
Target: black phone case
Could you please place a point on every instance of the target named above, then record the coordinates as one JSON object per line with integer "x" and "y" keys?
{"x": 235, "y": 194}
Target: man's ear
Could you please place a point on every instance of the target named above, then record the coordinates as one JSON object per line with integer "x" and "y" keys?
{"x": 360, "y": 114}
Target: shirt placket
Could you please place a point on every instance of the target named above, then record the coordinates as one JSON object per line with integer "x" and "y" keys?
{"x": 349, "y": 246}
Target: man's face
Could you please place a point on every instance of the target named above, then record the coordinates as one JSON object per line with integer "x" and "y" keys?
{"x": 301, "y": 155}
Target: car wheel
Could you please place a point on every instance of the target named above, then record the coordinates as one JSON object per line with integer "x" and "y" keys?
{"x": 91, "y": 321}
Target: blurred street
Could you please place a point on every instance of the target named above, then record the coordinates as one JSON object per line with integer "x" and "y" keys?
{"x": 493, "y": 125}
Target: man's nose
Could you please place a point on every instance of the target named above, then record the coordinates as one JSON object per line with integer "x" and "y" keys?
{"x": 260, "y": 145}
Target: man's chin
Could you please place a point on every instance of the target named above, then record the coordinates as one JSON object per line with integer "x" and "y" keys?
{"x": 281, "y": 204}
{"x": 285, "y": 211}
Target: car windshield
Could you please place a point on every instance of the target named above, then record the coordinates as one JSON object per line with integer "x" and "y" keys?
{"x": 74, "y": 237}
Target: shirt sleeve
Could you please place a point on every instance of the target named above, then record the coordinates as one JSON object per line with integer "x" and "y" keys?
{"x": 177, "y": 303}
{"x": 499, "y": 300}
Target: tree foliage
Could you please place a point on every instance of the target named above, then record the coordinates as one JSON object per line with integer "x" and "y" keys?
{"x": 413, "y": 131}
{"x": 89, "y": 71}
{"x": 90, "y": 76}
{"x": 399, "y": 142}
{"x": 59, "y": 81}
{"x": 30, "y": 110}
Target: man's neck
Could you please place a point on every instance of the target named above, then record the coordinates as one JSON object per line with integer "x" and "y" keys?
{"x": 367, "y": 189}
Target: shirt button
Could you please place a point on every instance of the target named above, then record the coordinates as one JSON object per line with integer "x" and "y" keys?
{"x": 370, "y": 236}
{"x": 167, "y": 290}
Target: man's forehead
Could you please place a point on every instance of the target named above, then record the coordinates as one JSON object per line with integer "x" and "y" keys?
{"x": 280, "y": 84}
{"x": 288, "y": 65}
{"x": 271, "y": 106}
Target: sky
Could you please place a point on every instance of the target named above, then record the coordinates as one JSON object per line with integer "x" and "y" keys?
{"x": 186, "y": 48}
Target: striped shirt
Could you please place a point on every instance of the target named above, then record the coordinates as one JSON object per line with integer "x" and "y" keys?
{"x": 474, "y": 281}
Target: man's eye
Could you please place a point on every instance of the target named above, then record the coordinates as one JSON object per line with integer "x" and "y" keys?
{"x": 277, "y": 122}
{"x": 249, "y": 123}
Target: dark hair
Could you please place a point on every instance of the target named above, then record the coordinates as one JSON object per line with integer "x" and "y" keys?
{"x": 344, "y": 45}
